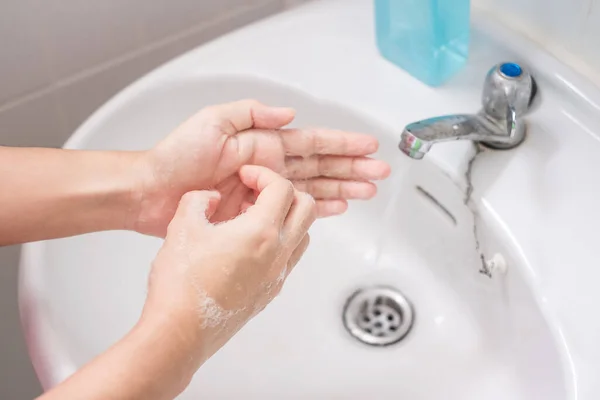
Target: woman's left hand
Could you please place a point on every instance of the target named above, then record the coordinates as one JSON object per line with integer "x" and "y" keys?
{"x": 207, "y": 151}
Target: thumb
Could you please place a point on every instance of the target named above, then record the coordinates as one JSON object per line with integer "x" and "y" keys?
{"x": 197, "y": 207}
{"x": 245, "y": 114}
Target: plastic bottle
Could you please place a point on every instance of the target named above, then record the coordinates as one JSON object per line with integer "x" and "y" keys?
{"x": 427, "y": 38}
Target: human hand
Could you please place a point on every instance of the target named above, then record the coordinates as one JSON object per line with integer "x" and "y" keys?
{"x": 210, "y": 279}
{"x": 206, "y": 152}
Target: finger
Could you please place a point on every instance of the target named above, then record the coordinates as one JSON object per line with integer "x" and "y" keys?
{"x": 301, "y": 216}
{"x": 330, "y": 208}
{"x": 324, "y": 188}
{"x": 245, "y": 114}
{"x": 298, "y": 253}
{"x": 196, "y": 207}
{"x": 306, "y": 142}
{"x": 275, "y": 193}
{"x": 244, "y": 206}
{"x": 357, "y": 168}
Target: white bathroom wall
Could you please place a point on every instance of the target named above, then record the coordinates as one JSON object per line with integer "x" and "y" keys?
{"x": 60, "y": 60}
{"x": 570, "y": 29}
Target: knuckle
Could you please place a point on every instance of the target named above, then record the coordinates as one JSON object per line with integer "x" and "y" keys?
{"x": 309, "y": 206}
{"x": 250, "y": 102}
{"x": 306, "y": 241}
{"x": 256, "y": 230}
{"x": 319, "y": 142}
{"x": 275, "y": 289}
{"x": 209, "y": 111}
{"x": 213, "y": 118}
{"x": 303, "y": 247}
{"x": 293, "y": 261}
{"x": 268, "y": 236}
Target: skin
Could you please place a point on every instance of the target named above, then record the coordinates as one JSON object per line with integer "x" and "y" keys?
{"x": 230, "y": 177}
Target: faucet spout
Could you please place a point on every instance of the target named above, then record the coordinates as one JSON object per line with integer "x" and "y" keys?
{"x": 417, "y": 138}
{"x": 507, "y": 95}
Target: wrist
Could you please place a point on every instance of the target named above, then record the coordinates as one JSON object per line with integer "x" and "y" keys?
{"x": 179, "y": 327}
{"x": 140, "y": 179}
{"x": 101, "y": 192}
{"x": 174, "y": 350}
{"x": 154, "y": 196}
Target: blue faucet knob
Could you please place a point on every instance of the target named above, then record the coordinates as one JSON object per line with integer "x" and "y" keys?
{"x": 511, "y": 70}
{"x": 508, "y": 89}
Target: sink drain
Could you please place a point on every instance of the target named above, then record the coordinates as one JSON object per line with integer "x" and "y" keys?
{"x": 379, "y": 316}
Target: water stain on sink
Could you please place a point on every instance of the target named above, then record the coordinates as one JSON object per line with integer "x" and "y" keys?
{"x": 485, "y": 270}
{"x": 437, "y": 203}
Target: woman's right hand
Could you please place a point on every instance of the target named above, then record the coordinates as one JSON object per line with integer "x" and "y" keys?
{"x": 209, "y": 280}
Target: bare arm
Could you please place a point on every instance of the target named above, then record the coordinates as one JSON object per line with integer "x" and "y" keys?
{"x": 192, "y": 309}
{"x": 155, "y": 361}
{"x": 51, "y": 193}
{"x": 48, "y": 193}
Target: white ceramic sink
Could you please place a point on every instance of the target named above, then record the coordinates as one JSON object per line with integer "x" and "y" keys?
{"x": 525, "y": 333}
{"x": 468, "y": 331}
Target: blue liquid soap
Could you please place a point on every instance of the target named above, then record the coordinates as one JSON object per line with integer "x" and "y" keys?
{"x": 427, "y": 38}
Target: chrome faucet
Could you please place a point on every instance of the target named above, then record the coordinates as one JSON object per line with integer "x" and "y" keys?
{"x": 507, "y": 95}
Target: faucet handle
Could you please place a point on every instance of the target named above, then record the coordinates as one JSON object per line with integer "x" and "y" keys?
{"x": 507, "y": 93}
{"x": 511, "y": 121}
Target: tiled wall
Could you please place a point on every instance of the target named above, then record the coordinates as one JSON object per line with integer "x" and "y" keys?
{"x": 570, "y": 29}
{"x": 60, "y": 60}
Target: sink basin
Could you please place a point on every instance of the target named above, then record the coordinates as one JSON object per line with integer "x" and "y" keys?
{"x": 479, "y": 246}
{"x": 472, "y": 332}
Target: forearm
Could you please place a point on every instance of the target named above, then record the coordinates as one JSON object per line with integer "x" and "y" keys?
{"x": 153, "y": 362}
{"x": 51, "y": 193}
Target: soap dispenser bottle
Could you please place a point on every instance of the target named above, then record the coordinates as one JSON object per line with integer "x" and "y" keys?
{"x": 427, "y": 38}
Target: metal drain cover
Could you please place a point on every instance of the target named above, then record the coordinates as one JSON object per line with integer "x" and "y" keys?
{"x": 379, "y": 316}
